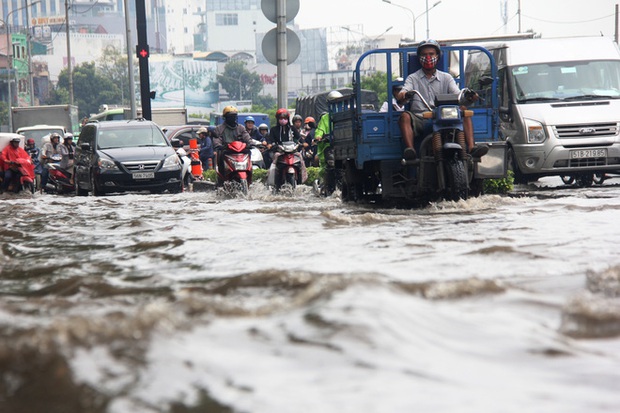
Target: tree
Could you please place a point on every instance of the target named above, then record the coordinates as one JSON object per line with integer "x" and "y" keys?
{"x": 91, "y": 89}
{"x": 113, "y": 65}
{"x": 377, "y": 82}
{"x": 239, "y": 82}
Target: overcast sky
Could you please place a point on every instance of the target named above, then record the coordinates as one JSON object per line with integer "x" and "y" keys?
{"x": 462, "y": 18}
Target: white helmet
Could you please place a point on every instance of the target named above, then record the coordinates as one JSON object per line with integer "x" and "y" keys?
{"x": 334, "y": 94}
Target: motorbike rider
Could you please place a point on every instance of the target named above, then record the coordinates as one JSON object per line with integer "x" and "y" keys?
{"x": 284, "y": 132}
{"x": 322, "y": 136}
{"x": 16, "y": 163}
{"x": 267, "y": 144}
{"x": 309, "y": 143}
{"x": 67, "y": 151}
{"x": 250, "y": 126}
{"x": 49, "y": 149}
{"x": 228, "y": 132}
{"x": 298, "y": 122}
{"x": 206, "y": 147}
{"x": 35, "y": 153}
{"x": 431, "y": 82}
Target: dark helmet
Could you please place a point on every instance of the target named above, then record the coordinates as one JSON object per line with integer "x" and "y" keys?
{"x": 18, "y": 140}
{"x": 430, "y": 43}
{"x": 30, "y": 141}
{"x": 263, "y": 126}
{"x": 210, "y": 128}
{"x": 283, "y": 113}
{"x": 298, "y": 117}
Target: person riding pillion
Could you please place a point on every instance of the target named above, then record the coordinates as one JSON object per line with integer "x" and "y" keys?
{"x": 431, "y": 82}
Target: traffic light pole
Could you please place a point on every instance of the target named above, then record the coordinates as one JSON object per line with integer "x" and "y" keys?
{"x": 143, "y": 58}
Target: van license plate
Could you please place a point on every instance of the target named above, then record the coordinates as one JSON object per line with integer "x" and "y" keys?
{"x": 588, "y": 153}
{"x": 143, "y": 175}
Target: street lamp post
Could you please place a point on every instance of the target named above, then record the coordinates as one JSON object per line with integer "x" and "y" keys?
{"x": 413, "y": 18}
{"x": 426, "y": 12}
{"x": 8, "y": 57}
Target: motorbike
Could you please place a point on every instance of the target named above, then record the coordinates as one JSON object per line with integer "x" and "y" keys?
{"x": 256, "y": 156}
{"x": 237, "y": 168}
{"x": 59, "y": 179}
{"x": 443, "y": 153}
{"x": 288, "y": 165}
{"x": 23, "y": 180}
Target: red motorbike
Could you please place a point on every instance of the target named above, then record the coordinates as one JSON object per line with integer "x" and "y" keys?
{"x": 289, "y": 165}
{"x": 23, "y": 175}
{"x": 237, "y": 168}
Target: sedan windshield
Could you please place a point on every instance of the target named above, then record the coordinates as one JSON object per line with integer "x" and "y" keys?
{"x": 127, "y": 137}
{"x": 566, "y": 81}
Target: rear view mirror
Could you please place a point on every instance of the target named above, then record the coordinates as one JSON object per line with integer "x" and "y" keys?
{"x": 485, "y": 81}
{"x": 85, "y": 146}
{"x": 176, "y": 143}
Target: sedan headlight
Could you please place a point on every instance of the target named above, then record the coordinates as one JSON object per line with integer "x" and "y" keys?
{"x": 535, "y": 131}
{"x": 107, "y": 165}
{"x": 449, "y": 112}
{"x": 171, "y": 163}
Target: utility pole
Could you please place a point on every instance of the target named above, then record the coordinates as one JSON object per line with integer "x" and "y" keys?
{"x": 69, "y": 68}
{"x": 282, "y": 89}
{"x": 132, "y": 81}
{"x": 143, "y": 59}
{"x": 29, "y": 52}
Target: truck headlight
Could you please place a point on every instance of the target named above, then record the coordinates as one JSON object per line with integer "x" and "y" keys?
{"x": 535, "y": 131}
{"x": 450, "y": 112}
{"x": 172, "y": 162}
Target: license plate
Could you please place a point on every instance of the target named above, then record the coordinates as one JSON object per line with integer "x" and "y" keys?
{"x": 143, "y": 175}
{"x": 588, "y": 153}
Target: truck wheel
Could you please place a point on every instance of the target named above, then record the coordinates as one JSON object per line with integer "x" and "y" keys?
{"x": 457, "y": 179}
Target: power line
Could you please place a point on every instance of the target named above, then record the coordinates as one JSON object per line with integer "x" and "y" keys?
{"x": 571, "y": 22}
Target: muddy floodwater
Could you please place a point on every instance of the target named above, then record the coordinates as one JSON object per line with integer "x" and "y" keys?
{"x": 198, "y": 302}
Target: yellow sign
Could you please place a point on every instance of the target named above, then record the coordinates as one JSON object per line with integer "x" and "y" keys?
{"x": 45, "y": 21}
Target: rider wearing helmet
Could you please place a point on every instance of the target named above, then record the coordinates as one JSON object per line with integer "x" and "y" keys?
{"x": 430, "y": 82}
{"x": 16, "y": 163}
{"x": 229, "y": 131}
{"x": 322, "y": 136}
{"x": 206, "y": 147}
{"x": 298, "y": 122}
{"x": 309, "y": 143}
{"x": 283, "y": 131}
{"x": 250, "y": 126}
{"x": 67, "y": 150}
{"x": 49, "y": 149}
{"x": 35, "y": 153}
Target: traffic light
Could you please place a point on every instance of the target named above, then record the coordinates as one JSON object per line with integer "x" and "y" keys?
{"x": 142, "y": 52}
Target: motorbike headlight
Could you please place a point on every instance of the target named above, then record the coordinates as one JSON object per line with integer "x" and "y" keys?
{"x": 450, "y": 112}
{"x": 107, "y": 165}
{"x": 172, "y": 162}
{"x": 535, "y": 131}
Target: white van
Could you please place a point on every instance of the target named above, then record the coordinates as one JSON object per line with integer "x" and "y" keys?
{"x": 559, "y": 105}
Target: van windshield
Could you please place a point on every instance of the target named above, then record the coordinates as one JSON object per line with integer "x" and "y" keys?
{"x": 147, "y": 135}
{"x": 566, "y": 81}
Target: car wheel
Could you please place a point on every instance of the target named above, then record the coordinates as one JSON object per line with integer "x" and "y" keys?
{"x": 93, "y": 186}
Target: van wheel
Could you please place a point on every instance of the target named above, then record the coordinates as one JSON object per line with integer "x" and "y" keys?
{"x": 519, "y": 178}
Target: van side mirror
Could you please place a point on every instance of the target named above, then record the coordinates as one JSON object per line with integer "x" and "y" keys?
{"x": 176, "y": 143}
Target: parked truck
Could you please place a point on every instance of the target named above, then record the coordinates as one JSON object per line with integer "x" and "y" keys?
{"x": 62, "y": 115}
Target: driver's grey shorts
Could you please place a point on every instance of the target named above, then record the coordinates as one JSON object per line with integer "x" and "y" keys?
{"x": 421, "y": 126}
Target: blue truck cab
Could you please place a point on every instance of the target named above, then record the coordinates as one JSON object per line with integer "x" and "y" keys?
{"x": 367, "y": 143}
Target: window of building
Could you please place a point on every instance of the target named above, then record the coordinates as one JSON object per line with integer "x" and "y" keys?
{"x": 226, "y": 19}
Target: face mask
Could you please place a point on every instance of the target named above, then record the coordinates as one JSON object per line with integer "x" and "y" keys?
{"x": 428, "y": 62}
{"x": 231, "y": 120}
{"x": 283, "y": 121}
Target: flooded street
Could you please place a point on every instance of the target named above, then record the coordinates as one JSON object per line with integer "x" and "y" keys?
{"x": 196, "y": 302}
